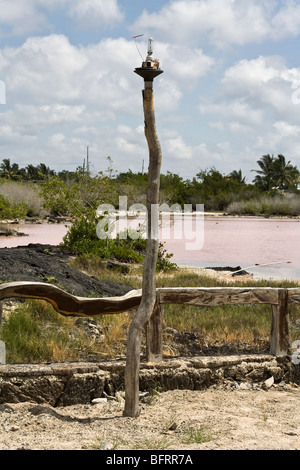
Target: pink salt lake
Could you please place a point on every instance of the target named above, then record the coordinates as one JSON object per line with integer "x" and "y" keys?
{"x": 228, "y": 241}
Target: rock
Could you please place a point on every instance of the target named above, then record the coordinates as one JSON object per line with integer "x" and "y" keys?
{"x": 107, "y": 446}
{"x": 96, "y": 401}
{"x": 47, "y": 263}
{"x": 245, "y": 386}
{"x": 268, "y": 383}
{"x": 14, "y": 428}
{"x": 173, "y": 426}
{"x": 66, "y": 384}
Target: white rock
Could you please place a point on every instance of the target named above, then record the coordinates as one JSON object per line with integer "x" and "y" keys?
{"x": 107, "y": 446}
{"x": 96, "y": 401}
{"x": 269, "y": 382}
{"x": 245, "y": 386}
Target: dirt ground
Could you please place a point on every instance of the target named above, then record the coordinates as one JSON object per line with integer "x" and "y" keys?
{"x": 213, "y": 419}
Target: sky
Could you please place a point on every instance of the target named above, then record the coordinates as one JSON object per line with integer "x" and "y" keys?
{"x": 229, "y": 94}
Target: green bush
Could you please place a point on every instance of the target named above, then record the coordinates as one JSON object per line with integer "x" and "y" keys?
{"x": 82, "y": 239}
{"x": 24, "y": 196}
{"x": 8, "y": 211}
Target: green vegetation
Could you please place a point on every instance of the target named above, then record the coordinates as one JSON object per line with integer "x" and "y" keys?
{"x": 10, "y": 211}
{"x": 266, "y": 206}
{"x": 196, "y": 435}
{"x": 12, "y": 172}
{"x": 276, "y": 173}
{"x": 73, "y": 193}
{"x": 19, "y": 200}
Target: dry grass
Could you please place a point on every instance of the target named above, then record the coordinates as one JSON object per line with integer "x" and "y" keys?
{"x": 26, "y": 193}
{"x": 36, "y": 333}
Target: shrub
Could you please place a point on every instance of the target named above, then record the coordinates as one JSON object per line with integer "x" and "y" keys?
{"x": 8, "y": 211}
{"x": 81, "y": 239}
{"x": 23, "y": 198}
{"x": 266, "y": 205}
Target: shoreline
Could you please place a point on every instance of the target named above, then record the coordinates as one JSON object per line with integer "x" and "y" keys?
{"x": 66, "y": 219}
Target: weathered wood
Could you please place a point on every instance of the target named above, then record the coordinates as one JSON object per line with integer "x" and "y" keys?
{"x": 214, "y": 296}
{"x": 68, "y": 304}
{"x": 294, "y": 296}
{"x": 146, "y": 306}
{"x": 1, "y": 311}
{"x": 154, "y": 335}
{"x": 280, "y": 341}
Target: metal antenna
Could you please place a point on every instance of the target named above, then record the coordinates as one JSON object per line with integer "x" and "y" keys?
{"x": 138, "y": 36}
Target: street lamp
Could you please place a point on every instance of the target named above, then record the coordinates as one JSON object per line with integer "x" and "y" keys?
{"x": 149, "y": 70}
{"x": 150, "y": 67}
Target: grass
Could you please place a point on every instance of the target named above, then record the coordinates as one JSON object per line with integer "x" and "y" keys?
{"x": 34, "y": 332}
{"x": 196, "y": 435}
{"x": 154, "y": 443}
{"x": 266, "y": 205}
{"x": 25, "y": 194}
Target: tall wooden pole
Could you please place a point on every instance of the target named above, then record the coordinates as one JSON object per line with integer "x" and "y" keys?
{"x": 148, "y": 300}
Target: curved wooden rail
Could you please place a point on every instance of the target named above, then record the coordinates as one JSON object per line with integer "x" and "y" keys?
{"x": 68, "y": 304}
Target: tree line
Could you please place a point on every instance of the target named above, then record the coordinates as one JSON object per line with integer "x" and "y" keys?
{"x": 209, "y": 187}
{"x": 78, "y": 195}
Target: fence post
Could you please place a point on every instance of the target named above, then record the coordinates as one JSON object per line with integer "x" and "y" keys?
{"x": 1, "y": 310}
{"x": 280, "y": 341}
{"x": 154, "y": 334}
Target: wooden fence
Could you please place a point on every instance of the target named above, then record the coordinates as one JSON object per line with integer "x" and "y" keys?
{"x": 279, "y": 298}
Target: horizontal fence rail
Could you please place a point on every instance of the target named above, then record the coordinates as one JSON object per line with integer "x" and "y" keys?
{"x": 69, "y": 305}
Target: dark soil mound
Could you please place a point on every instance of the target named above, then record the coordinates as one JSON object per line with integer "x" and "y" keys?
{"x": 46, "y": 263}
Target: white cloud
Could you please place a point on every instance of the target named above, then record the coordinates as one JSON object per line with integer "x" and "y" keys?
{"x": 177, "y": 148}
{"x": 224, "y": 22}
{"x": 49, "y": 69}
{"x": 236, "y": 127}
{"x": 286, "y": 130}
{"x": 184, "y": 63}
{"x": 22, "y": 17}
{"x": 95, "y": 13}
{"x": 287, "y": 21}
{"x": 265, "y": 84}
{"x": 255, "y": 93}
{"x": 19, "y": 17}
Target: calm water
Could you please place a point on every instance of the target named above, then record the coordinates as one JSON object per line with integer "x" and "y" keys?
{"x": 244, "y": 242}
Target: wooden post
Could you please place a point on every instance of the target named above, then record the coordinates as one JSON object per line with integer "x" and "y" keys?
{"x": 280, "y": 341}
{"x": 148, "y": 300}
{"x": 154, "y": 334}
{"x": 1, "y": 310}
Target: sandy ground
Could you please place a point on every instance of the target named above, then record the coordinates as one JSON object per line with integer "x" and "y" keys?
{"x": 175, "y": 420}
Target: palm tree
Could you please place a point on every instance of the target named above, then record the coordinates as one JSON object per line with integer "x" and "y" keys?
{"x": 264, "y": 179}
{"x": 286, "y": 176}
{"x": 32, "y": 172}
{"x": 276, "y": 173}
{"x": 45, "y": 171}
{"x": 9, "y": 171}
{"x": 237, "y": 176}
